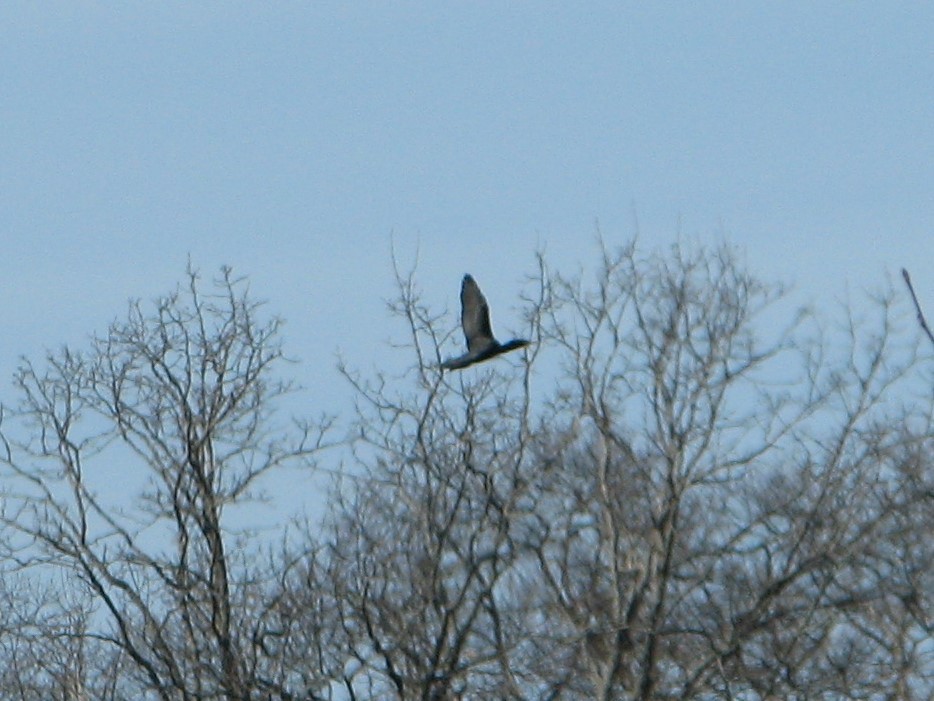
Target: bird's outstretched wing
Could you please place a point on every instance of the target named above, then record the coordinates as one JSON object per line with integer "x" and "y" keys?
{"x": 475, "y": 316}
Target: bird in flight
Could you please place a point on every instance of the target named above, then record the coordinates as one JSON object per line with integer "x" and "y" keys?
{"x": 475, "y": 320}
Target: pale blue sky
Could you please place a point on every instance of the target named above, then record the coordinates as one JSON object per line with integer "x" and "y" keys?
{"x": 290, "y": 140}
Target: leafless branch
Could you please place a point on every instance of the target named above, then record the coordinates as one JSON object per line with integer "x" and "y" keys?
{"x": 914, "y": 298}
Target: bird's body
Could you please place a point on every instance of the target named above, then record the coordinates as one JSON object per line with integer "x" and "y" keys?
{"x": 475, "y": 320}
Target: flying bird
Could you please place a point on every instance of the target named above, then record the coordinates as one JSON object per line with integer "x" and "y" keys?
{"x": 475, "y": 320}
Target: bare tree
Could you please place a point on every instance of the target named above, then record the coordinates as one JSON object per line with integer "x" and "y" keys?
{"x": 177, "y": 404}
{"x": 43, "y": 646}
{"x": 423, "y": 544}
{"x": 678, "y": 491}
{"x": 694, "y": 511}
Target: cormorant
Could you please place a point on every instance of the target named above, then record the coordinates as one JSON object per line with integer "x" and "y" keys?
{"x": 475, "y": 320}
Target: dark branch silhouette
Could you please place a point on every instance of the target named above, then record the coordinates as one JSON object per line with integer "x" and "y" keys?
{"x": 475, "y": 320}
{"x": 914, "y": 298}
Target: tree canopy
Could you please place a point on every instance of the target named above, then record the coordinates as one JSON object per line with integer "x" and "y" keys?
{"x": 681, "y": 489}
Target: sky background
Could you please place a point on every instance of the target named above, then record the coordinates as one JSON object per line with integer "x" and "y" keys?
{"x": 294, "y": 141}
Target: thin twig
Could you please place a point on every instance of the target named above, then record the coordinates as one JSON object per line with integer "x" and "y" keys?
{"x": 914, "y": 297}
